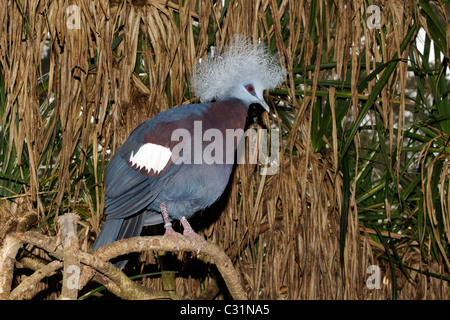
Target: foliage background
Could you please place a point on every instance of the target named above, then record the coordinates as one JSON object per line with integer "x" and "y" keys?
{"x": 364, "y": 119}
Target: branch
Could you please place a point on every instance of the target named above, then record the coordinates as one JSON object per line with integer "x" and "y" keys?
{"x": 128, "y": 289}
{"x": 25, "y": 289}
{"x": 159, "y": 243}
{"x": 72, "y": 272}
{"x": 8, "y": 253}
{"x": 121, "y": 285}
{"x": 7, "y": 259}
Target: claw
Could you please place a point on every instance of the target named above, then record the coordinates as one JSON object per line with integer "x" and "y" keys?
{"x": 168, "y": 225}
{"x": 190, "y": 233}
{"x": 172, "y": 233}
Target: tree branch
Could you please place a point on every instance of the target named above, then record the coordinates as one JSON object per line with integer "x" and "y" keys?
{"x": 155, "y": 243}
{"x": 128, "y": 289}
{"x": 25, "y": 289}
{"x": 121, "y": 285}
{"x": 7, "y": 259}
{"x": 8, "y": 252}
{"x": 72, "y": 271}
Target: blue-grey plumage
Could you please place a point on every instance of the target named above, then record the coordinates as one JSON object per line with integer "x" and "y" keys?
{"x": 185, "y": 188}
{"x": 146, "y": 176}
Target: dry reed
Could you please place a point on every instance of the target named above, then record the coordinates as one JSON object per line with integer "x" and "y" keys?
{"x": 281, "y": 231}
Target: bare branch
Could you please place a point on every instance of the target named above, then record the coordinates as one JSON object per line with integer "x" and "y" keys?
{"x": 159, "y": 243}
{"x": 127, "y": 289}
{"x": 72, "y": 271}
{"x": 7, "y": 259}
{"x": 25, "y": 290}
{"x": 121, "y": 285}
{"x": 8, "y": 253}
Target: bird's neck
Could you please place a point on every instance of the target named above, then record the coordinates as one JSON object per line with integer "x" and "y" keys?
{"x": 229, "y": 114}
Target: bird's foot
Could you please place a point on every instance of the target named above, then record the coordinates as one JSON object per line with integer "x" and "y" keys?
{"x": 172, "y": 233}
{"x": 187, "y": 233}
{"x": 191, "y": 234}
{"x": 168, "y": 225}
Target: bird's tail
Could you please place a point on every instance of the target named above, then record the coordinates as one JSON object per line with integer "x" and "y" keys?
{"x": 109, "y": 233}
{"x": 118, "y": 229}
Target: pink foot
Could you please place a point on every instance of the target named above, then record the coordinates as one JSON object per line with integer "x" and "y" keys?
{"x": 172, "y": 233}
{"x": 168, "y": 225}
{"x": 190, "y": 233}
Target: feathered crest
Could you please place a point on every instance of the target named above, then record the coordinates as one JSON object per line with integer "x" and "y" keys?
{"x": 242, "y": 62}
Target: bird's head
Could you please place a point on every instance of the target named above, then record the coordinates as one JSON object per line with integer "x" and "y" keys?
{"x": 243, "y": 71}
{"x": 250, "y": 93}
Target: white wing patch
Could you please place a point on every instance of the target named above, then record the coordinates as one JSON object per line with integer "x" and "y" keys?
{"x": 151, "y": 156}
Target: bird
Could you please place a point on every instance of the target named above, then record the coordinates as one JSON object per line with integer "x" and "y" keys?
{"x": 159, "y": 174}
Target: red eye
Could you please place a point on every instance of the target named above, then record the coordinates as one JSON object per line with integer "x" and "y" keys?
{"x": 250, "y": 89}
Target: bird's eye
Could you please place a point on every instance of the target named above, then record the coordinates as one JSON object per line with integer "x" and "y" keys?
{"x": 250, "y": 89}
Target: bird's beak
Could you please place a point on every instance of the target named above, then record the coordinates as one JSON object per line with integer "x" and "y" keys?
{"x": 264, "y": 105}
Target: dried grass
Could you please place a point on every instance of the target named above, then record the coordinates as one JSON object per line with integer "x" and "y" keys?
{"x": 281, "y": 231}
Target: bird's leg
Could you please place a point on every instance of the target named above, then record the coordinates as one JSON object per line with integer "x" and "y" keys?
{"x": 189, "y": 232}
{"x": 168, "y": 225}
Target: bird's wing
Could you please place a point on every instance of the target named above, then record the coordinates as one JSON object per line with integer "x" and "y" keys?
{"x": 135, "y": 176}
{"x": 144, "y": 163}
